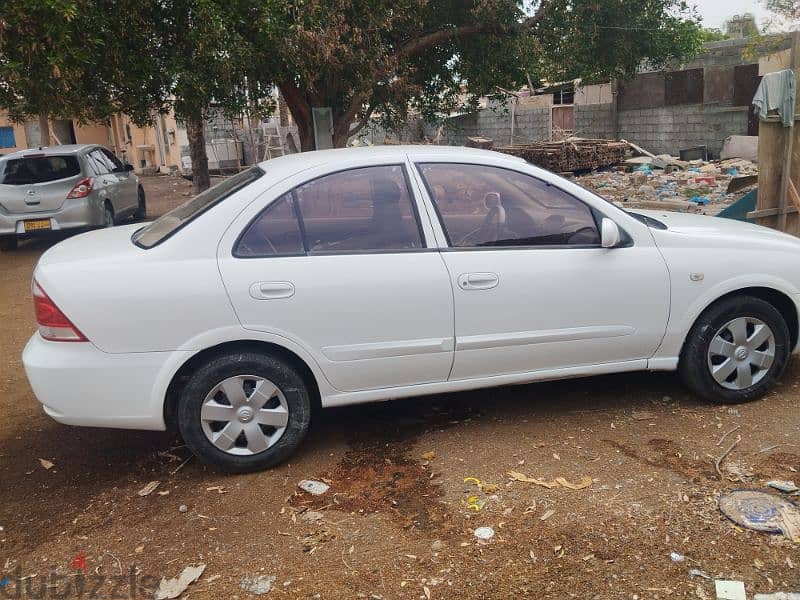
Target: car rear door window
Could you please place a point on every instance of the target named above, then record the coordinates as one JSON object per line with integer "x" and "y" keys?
{"x": 485, "y": 206}
{"x": 276, "y": 232}
{"x": 359, "y": 210}
{"x": 38, "y": 169}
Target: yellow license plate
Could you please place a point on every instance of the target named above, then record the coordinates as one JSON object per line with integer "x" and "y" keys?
{"x": 37, "y": 225}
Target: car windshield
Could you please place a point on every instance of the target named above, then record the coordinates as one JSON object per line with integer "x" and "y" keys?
{"x": 38, "y": 169}
{"x": 166, "y": 225}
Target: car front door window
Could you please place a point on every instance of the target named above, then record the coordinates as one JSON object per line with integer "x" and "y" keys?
{"x": 486, "y": 206}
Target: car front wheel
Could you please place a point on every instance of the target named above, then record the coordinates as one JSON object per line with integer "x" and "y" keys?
{"x": 244, "y": 411}
{"x": 736, "y": 350}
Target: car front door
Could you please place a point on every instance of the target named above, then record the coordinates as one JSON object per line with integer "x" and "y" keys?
{"x": 533, "y": 289}
{"x": 339, "y": 264}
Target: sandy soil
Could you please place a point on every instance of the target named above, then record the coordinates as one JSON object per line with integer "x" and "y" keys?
{"x": 396, "y": 522}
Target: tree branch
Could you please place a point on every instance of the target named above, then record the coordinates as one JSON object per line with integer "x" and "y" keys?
{"x": 361, "y": 122}
{"x": 426, "y": 41}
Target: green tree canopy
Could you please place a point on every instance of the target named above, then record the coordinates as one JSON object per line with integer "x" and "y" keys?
{"x": 362, "y": 57}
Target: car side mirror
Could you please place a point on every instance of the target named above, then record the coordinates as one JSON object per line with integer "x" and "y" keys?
{"x": 128, "y": 167}
{"x": 609, "y": 233}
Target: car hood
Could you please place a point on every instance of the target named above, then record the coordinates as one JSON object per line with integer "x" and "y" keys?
{"x": 716, "y": 229}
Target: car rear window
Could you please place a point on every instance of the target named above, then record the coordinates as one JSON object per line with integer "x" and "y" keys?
{"x": 38, "y": 169}
{"x": 167, "y": 224}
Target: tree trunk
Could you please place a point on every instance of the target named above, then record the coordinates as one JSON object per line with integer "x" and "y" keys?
{"x": 195, "y": 131}
{"x": 283, "y": 111}
{"x": 44, "y": 130}
{"x": 341, "y": 135}
{"x": 305, "y": 128}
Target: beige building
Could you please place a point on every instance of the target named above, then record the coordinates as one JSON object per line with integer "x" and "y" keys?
{"x": 156, "y": 147}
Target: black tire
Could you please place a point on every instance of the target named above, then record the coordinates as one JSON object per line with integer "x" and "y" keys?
{"x": 283, "y": 375}
{"x": 8, "y": 243}
{"x": 694, "y": 362}
{"x": 108, "y": 216}
{"x": 141, "y": 209}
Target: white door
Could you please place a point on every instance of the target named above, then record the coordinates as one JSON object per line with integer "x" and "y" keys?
{"x": 340, "y": 266}
{"x": 533, "y": 288}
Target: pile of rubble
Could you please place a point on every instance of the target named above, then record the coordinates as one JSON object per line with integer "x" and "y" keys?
{"x": 664, "y": 182}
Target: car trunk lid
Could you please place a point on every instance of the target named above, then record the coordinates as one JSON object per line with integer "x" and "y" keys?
{"x": 36, "y": 182}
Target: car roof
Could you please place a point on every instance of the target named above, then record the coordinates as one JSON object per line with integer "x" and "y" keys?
{"x": 51, "y": 150}
{"x": 317, "y": 158}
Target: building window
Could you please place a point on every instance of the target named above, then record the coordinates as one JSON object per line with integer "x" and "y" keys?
{"x": 7, "y": 137}
{"x": 565, "y": 96}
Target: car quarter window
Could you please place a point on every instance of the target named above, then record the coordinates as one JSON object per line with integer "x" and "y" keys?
{"x": 116, "y": 163}
{"x": 367, "y": 209}
{"x": 99, "y": 163}
{"x": 276, "y": 232}
{"x": 486, "y": 206}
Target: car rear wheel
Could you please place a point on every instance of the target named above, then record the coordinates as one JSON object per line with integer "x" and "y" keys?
{"x": 141, "y": 209}
{"x": 108, "y": 216}
{"x": 736, "y": 351}
{"x": 8, "y": 243}
{"x": 244, "y": 411}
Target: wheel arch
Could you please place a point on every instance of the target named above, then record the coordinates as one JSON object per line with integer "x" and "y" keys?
{"x": 778, "y": 299}
{"x": 189, "y": 366}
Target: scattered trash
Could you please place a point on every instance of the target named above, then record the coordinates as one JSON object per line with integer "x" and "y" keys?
{"x": 675, "y": 557}
{"x": 46, "y": 464}
{"x": 475, "y": 503}
{"x": 783, "y": 486}
{"x": 316, "y": 488}
{"x": 312, "y": 516}
{"x": 761, "y": 511}
{"x": 429, "y": 455}
{"x": 547, "y": 514}
{"x": 730, "y": 590}
{"x": 149, "y": 488}
{"x": 257, "y": 584}
{"x": 738, "y": 471}
{"x": 172, "y": 588}
{"x": 557, "y": 482}
{"x": 183, "y": 508}
{"x": 702, "y": 200}
{"x": 723, "y": 456}
{"x": 484, "y": 534}
{"x": 217, "y": 488}
{"x": 699, "y": 573}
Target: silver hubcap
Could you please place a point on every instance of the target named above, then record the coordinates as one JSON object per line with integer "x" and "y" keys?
{"x": 741, "y": 353}
{"x": 244, "y": 415}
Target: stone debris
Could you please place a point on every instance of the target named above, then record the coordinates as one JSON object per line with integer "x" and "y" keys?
{"x": 172, "y": 588}
{"x": 257, "y": 584}
{"x": 700, "y": 187}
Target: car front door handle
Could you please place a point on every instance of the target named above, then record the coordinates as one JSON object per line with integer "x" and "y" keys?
{"x": 478, "y": 281}
{"x": 271, "y": 290}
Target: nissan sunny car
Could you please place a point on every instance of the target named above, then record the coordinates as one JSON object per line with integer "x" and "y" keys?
{"x": 347, "y": 276}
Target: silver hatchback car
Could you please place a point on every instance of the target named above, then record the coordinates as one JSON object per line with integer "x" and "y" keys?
{"x": 65, "y": 187}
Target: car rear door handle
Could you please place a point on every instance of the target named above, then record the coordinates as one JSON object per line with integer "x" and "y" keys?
{"x": 478, "y": 281}
{"x": 271, "y": 290}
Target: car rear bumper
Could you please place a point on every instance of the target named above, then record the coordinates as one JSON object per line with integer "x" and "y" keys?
{"x": 78, "y": 384}
{"x": 80, "y": 212}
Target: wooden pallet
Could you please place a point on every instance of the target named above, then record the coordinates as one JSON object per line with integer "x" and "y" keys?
{"x": 570, "y": 155}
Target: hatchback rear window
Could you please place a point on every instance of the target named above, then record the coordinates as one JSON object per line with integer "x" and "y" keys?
{"x": 167, "y": 224}
{"x": 38, "y": 169}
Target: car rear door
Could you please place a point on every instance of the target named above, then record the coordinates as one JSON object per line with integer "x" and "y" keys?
{"x": 127, "y": 186}
{"x": 340, "y": 264}
{"x": 534, "y": 291}
{"x": 106, "y": 185}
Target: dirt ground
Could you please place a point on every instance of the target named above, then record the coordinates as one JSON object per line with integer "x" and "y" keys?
{"x": 397, "y": 520}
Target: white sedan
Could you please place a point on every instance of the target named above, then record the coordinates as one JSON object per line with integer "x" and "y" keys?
{"x": 345, "y": 276}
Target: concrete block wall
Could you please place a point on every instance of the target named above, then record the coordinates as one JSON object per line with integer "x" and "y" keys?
{"x": 594, "y": 121}
{"x": 667, "y": 130}
{"x": 531, "y": 124}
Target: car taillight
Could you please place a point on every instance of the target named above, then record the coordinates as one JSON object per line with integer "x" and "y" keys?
{"x": 82, "y": 189}
{"x": 53, "y": 324}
